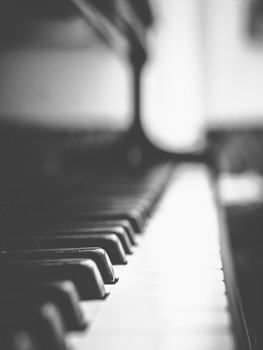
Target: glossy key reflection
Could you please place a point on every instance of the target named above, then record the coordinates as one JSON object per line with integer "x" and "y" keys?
{"x": 83, "y": 273}
{"x": 98, "y": 255}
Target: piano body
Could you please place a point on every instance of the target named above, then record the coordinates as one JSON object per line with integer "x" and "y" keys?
{"x": 107, "y": 240}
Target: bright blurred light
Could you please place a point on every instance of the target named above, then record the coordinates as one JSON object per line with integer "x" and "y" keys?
{"x": 172, "y": 107}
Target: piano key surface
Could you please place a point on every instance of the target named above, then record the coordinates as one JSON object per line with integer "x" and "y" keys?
{"x": 171, "y": 294}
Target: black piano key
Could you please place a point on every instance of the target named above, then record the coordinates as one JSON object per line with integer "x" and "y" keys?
{"x": 118, "y": 231}
{"x": 37, "y": 229}
{"x": 117, "y": 205}
{"x": 49, "y": 328}
{"x": 23, "y": 214}
{"x": 106, "y": 201}
{"x": 17, "y": 339}
{"x": 109, "y": 242}
{"x": 42, "y": 322}
{"x": 63, "y": 294}
{"x": 83, "y": 273}
{"x": 132, "y": 216}
{"x": 101, "y": 224}
{"x": 98, "y": 255}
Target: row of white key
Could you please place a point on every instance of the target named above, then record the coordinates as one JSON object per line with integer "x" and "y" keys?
{"x": 172, "y": 294}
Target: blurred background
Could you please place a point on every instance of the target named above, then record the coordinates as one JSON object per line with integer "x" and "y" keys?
{"x": 204, "y": 69}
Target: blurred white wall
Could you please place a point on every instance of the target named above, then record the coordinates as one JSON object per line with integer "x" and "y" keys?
{"x": 205, "y": 69}
{"x": 233, "y": 64}
{"x": 173, "y": 92}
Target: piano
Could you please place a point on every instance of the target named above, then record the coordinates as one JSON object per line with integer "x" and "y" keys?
{"x": 107, "y": 240}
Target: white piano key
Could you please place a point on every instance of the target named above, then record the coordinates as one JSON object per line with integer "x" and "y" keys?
{"x": 171, "y": 295}
{"x": 189, "y": 275}
{"x": 165, "y": 323}
{"x": 165, "y": 300}
{"x": 172, "y": 342}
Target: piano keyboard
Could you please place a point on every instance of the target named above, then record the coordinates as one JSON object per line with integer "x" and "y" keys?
{"x": 170, "y": 295}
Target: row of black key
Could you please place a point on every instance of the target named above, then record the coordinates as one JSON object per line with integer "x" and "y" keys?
{"x": 54, "y": 255}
